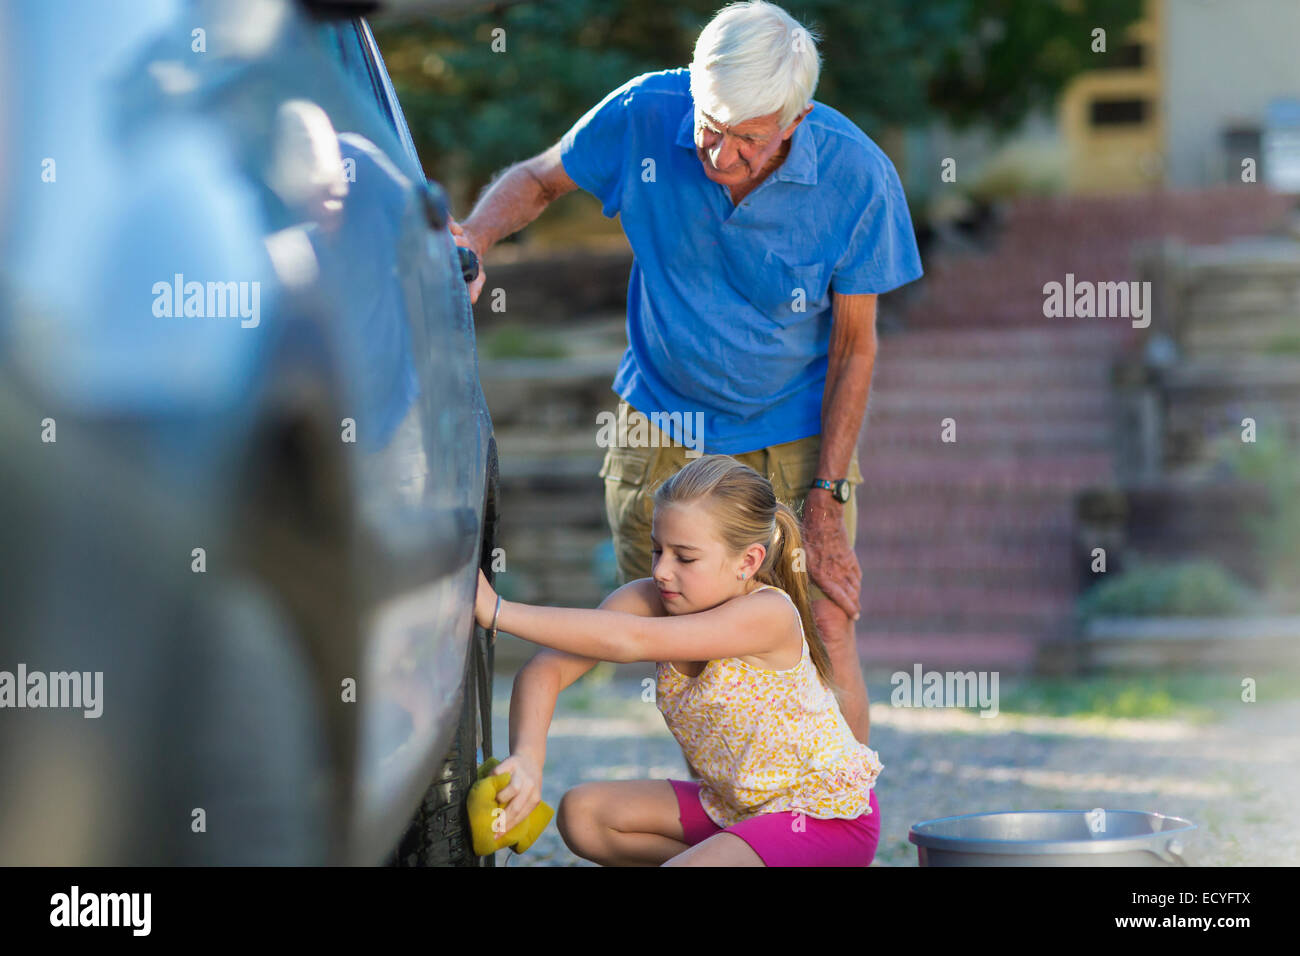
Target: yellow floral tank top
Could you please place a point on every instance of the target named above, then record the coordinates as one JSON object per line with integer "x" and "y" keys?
{"x": 765, "y": 741}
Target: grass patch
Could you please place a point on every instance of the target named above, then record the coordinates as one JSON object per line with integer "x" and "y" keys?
{"x": 595, "y": 694}
{"x": 1193, "y": 696}
{"x": 1286, "y": 344}
{"x": 515, "y": 340}
{"x": 576, "y": 699}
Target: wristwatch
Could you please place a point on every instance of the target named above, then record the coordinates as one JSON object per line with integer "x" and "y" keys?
{"x": 841, "y": 489}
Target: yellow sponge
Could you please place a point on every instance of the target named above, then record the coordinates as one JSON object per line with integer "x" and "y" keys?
{"x": 482, "y": 805}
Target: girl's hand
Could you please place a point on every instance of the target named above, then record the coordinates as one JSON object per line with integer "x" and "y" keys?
{"x": 485, "y": 602}
{"x": 522, "y": 794}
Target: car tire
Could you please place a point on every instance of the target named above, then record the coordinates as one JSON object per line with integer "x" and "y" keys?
{"x": 439, "y": 833}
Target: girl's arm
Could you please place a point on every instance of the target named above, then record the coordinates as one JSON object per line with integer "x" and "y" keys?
{"x": 536, "y": 689}
{"x": 732, "y": 629}
{"x": 538, "y": 684}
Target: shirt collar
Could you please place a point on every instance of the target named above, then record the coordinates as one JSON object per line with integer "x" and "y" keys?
{"x": 800, "y": 164}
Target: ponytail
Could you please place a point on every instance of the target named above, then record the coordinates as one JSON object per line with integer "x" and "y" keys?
{"x": 748, "y": 513}
{"x": 785, "y": 567}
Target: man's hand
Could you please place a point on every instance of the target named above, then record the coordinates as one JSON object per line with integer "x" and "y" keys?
{"x": 464, "y": 238}
{"x": 832, "y": 564}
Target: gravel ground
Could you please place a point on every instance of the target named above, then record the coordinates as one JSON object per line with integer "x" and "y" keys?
{"x": 1235, "y": 777}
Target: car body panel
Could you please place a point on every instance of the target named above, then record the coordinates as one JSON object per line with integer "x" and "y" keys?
{"x": 274, "y": 165}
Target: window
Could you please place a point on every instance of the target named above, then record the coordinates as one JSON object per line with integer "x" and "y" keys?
{"x": 353, "y": 46}
{"x": 1126, "y": 112}
{"x": 1129, "y": 56}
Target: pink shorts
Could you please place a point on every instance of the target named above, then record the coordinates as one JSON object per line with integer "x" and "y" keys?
{"x": 776, "y": 838}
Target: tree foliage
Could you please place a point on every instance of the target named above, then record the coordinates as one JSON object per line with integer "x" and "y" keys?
{"x": 885, "y": 63}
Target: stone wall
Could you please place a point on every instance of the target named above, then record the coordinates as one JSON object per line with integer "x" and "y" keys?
{"x": 1223, "y": 345}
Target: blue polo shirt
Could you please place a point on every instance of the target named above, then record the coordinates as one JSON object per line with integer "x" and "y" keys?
{"x": 729, "y": 307}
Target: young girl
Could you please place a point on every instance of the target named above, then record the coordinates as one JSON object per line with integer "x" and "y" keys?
{"x": 743, "y": 684}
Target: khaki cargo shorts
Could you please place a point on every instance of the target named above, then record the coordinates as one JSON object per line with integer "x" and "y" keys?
{"x": 632, "y": 475}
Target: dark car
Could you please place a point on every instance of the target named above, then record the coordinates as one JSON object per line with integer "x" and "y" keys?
{"x": 247, "y": 474}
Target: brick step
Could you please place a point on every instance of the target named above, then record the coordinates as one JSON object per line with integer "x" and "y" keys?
{"x": 976, "y": 405}
{"x": 886, "y": 495}
{"x": 927, "y": 372}
{"x": 956, "y": 550}
{"x": 1098, "y": 415}
{"x": 951, "y": 471}
{"x": 1050, "y": 340}
{"x": 993, "y": 437}
{"x": 994, "y": 578}
{"x": 945, "y": 554}
{"x": 918, "y": 600}
{"x": 1025, "y": 304}
{"x": 1010, "y": 403}
{"x": 997, "y": 316}
{"x": 1018, "y": 267}
{"x": 892, "y": 540}
{"x": 957, "y": 513}
{"x": 991, "y": 650}
{"x": 940, "y": 621}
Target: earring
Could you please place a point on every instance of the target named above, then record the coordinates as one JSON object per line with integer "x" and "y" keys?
{"x": 741, "y": 575}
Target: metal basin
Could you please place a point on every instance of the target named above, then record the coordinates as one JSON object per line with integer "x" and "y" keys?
{"x": 1054, "y": 838}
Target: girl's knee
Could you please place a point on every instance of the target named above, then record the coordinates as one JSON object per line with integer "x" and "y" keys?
{"x": 577, "y": 810}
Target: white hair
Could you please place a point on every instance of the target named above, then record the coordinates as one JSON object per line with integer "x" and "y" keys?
{"x": 751, "y": 60}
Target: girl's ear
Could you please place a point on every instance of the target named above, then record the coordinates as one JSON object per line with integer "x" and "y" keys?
{"x": 753, "y": 559}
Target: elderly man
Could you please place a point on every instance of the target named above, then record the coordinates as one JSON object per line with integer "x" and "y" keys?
{"x": 764, "y": 224}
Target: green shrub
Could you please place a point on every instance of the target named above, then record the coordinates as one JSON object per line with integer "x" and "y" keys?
{"x": 1024, "y": 169}
{"x": 1197, "y": 588}
{"x": 1272, "y": 462}
{"x": 1288, "y": 344}
{"x": 519, "y": 341}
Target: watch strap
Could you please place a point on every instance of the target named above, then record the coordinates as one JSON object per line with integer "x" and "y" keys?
{"x": 834, "y": 487}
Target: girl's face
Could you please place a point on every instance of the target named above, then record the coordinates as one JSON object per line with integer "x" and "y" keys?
{"x": 691, "y": 566}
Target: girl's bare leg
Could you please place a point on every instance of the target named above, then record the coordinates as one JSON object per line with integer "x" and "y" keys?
{"x": 721, "y": 849}
{"x": 622, "y": 822}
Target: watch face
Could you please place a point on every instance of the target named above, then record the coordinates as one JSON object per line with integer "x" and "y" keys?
{"x": 842, "y": 490}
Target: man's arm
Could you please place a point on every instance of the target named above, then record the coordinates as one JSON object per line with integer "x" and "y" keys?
{"x": 517, "y": 197}
{"x": 844, "y": 404}
{"x": 512, "y": 201}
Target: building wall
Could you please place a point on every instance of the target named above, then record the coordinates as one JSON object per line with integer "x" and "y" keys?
{"x": 1208, "y": 66}
{"x": 1225, "y": 62}
{"x": 1118, "y": 157}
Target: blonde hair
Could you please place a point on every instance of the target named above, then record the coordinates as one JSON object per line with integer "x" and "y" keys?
{"x": 747, "y": 512}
